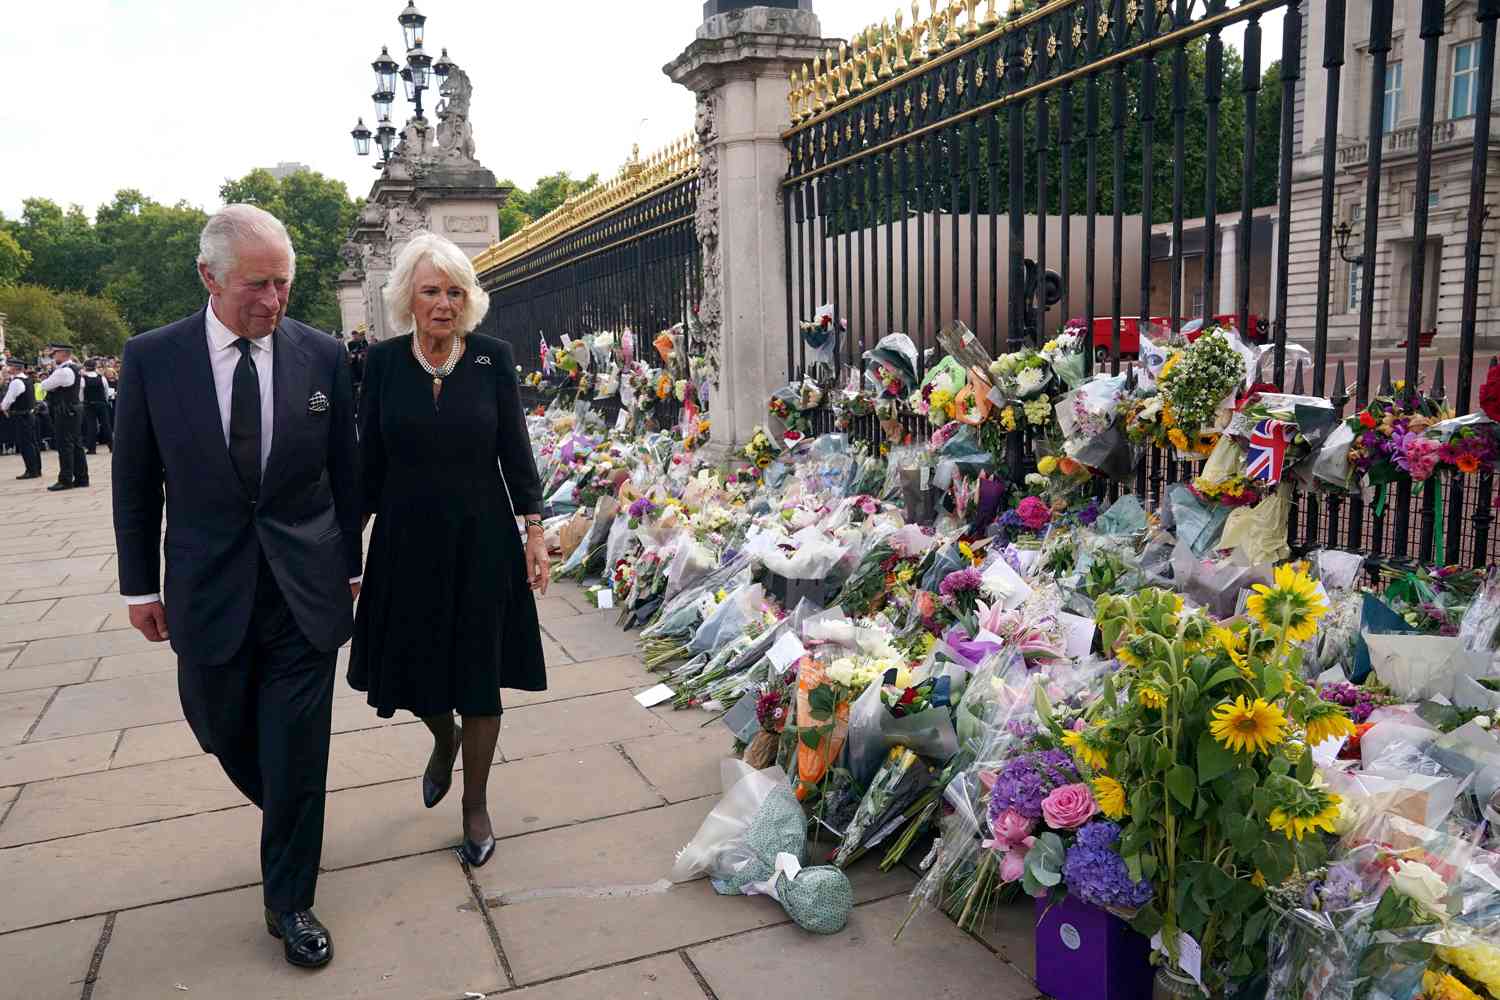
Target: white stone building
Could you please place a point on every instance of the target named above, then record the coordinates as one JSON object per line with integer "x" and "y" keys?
{"x": 1442, "y": 257}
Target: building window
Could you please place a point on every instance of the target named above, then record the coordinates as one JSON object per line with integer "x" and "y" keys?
{"x": 1392, "y": 98}
{"x": 1357, "y": 213}
{"x": 1197, "y": 307}
{"x": 1356, "y": 285}
{"x": 1465, "y": 81}
{"x": 1434, "y": 199}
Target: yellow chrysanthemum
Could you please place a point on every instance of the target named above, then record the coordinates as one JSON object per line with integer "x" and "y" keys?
{"x": 1294, "y": 599}
{"x": 1110, "y": 795}
{"x": 1008, "y": 418}
{"x": 1479, "y": 960}
{"x": 1327, "y": 725}
{"x": 1092, "y": 756}
{"x": 1445, "y": 986}
{"x": 1243, "y": 725}
{"x": 1171, "y": 362}
{"x": 1178, "y": 439}
{"x": 1295, "y": 826}
{"x": 1258, "y": 880}
{"x": 1046, "y": 465}
{"x": 1151, "y": 696}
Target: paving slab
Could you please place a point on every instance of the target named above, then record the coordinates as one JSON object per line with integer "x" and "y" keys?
{"x": 28, "y": 611}
{"x": 50, "y": 963}
{"x": 18, "y": 710}
{"x": 682, "y": 766}
{"x": 163, "y": 741}
{"x": 146, "y": 661}
{"x": 1011, "y": 930}
{"x": 615, "y": 673}
{"x": 664, "y": 977}
{"x": 592, "y": 635}
{"x": 50, "y": 628}
{"x": 86, "y": 604}
{"x": 933, "y": 959}
{"x": 555, "y": 919}
{"x": 404, "y": 930}
{"x": 120, "y": 703}
{"x": 389, "y": 820}
{"x": 56, "y": 758}
{"x": 52, "y": 675}
{"x": 98, "y": 584}
{"x": 553, "y": 655}
{"x": 129, "y": 867}
{"x": 575, "y": 722}
{"x": 79, "y": 647}
{"x": 48, "y": 572}
{"x": 687, "y": 720}
{"x": 554, "y": 609}
{"x": 8, "y": 655}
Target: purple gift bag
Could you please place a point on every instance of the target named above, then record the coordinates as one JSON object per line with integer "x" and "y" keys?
{"x": 1085, "y": 953}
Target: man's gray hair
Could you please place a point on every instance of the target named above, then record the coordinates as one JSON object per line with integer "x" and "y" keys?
{"x": 233, "y": 226}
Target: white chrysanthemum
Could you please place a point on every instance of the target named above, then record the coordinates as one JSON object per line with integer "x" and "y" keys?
{"x": 1030, "y": 380}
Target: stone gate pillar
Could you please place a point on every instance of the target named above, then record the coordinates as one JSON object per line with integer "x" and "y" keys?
{"x": 739, "y": 67}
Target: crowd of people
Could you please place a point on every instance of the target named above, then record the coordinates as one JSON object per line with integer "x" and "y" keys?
{"x": 63, "y": 406}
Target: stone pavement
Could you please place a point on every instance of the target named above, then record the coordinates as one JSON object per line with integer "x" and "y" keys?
{"x": 128, "y": 863}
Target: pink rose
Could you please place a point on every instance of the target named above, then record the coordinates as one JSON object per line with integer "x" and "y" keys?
{"x": 1011, "y": 827}
{"x": 925, "y": 605}
{"x": 1013, "y": 864}
{"x": 1069, "y": 807}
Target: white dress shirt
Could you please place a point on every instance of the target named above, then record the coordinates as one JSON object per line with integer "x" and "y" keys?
{"x": 12, "y": 393}
{"x": 61, "y": 378}
{"x": 223, "y": 356}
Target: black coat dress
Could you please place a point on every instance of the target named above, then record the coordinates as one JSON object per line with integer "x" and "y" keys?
{"x": 446, "y": 618}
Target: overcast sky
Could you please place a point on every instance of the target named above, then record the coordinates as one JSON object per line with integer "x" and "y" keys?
{"x": 173, "y": 96}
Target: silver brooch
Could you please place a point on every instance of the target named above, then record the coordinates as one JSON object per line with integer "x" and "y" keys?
{"x": 482, "y": 359}
{"x": 317, "y": 403}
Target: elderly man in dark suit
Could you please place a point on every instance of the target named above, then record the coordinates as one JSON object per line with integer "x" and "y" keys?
{"x": 243, "y": 420}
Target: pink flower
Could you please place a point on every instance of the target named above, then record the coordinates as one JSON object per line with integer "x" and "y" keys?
{"x": 1068, "y": 807}
{"x": 1421, "y": 456}
{"x": 1013, "y": 864}
{"x": 868, "y": 505}
{"x": 926, "y": 607}
{"x": 1034, "y": 514}
{"x": 987, "y": 779}
{"x": 1011, "y": 827}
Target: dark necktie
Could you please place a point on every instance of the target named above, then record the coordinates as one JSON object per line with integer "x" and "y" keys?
{"x": 244, "y": 421}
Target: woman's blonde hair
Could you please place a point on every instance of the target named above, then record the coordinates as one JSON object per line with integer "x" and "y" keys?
{"x": 447, "y": 258}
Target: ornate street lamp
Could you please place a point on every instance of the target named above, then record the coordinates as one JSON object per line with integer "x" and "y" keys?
{"x": 361, "y": 138}
{"x": 416, "y": 76}
{"x": 1342, "y": 232}
{"x": 385, "y": 72}
{"x": 442, "y": 66}
{"x": 412, "y": 22}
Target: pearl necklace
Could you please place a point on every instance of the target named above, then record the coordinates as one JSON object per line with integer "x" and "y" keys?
{"x": 446, "y": 368}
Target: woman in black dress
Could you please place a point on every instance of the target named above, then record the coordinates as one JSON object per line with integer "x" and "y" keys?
{"x": 446, "y": 616}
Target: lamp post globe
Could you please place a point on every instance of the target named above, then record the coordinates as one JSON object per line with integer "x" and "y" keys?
{"x": 361, "y": 138}
{"x": 441, "y": 68}
{"x": 412, "y": 22}
{"x": 385, "y": 72}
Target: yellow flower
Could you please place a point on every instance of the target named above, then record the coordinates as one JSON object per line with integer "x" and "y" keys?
{"x": 1046, "y": 465}
{"x": 967, "y": 553}
{"x": 1294, "y": 599}
{"x": 940, "y": 398}
{"x": 1258, "y": 880}
{"x": 1008, "y": 418}
{"x": 1232, "y": 643}
{"x": 1295, "y": 826}
{"x": 1110, "y": 795}
{"x": 1479, "y": 960}
{"x": 1151, "y": 696}
{"x": 1445, "y": 987}
{"x": 1125, "y": 656}
{"x": 1178, "y": 439}
{"x": 1328, "y": 723}
{"x": 1243, "y": 725}
{"x": 1171, "y": 363}
{"x": 1092, "y": 756}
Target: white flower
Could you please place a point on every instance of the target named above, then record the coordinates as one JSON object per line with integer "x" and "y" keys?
{"x": 1030, "y": 380}
{"x": 1421, "y": 884}
{"x": 841, "y": 671}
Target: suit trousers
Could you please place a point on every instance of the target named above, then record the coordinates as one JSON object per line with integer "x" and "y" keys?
{"x": 98, "y": 425}
{"x": 24, "y": 426}
{"x": 266, "y": 714}
{"x": 67, "y": 427}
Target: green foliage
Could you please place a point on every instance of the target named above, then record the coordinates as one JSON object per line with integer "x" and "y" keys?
{"x": 66, "y": 253}
{"x": 33, "y": 320}
{"x": 14, "y": 260}
{"x": 152, "y": 275}
{"x": 94, "y": 322}
{"x": 524, "y": 206}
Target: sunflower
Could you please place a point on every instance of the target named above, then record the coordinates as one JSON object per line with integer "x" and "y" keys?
{"x": 1294, "y": 599}
{"x": 1110, "y": 795}
{"x": 1318, "y": 813}
{"x": 1245, "y": 725}
{"x": 1326, "y": 721}
{"x": 1078, "y": 743}
{"x": 1233, "y": 643}
{"x": 1151, "y": 696}
{"x": 1178, "y": 439}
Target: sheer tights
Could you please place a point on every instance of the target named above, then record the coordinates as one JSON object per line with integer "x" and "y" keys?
{"x": 480, "y": 735}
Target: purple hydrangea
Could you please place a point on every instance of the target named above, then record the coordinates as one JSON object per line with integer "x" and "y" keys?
{"x": 1096, "y": 874}
{"x": 1024, "y": 782}
{"x": 960, "y": 581}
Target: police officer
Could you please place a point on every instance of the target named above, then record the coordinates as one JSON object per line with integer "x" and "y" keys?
{"x": 97, "y": 426}
{"x": 19, "y": 406}
{"x": 64, "y": 388}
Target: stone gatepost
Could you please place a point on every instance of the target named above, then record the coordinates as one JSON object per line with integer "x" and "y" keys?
{"x": 739, "y": 67}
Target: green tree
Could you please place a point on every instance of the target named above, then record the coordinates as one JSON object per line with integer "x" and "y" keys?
{"x": 34, "y": 319}
{"x": 13, "y": 259}
{"x": 318, "y": 214}
{"x": 513, "y": 211}
{"x": 552, "y": 190}
{"x": 94, "y": 322}
{"x": 152, "y": 275}
{"x": 64, "y": 246}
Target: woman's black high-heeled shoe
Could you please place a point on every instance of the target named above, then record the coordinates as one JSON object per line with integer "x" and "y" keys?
{"x": 433, "y": 791}
{"x": 476, "y": 853}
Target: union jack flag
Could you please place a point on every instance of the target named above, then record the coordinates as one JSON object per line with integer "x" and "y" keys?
{"x": 1266, "y": 453}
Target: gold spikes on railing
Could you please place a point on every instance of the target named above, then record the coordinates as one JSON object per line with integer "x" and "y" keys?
{"x": 637, "y": 177}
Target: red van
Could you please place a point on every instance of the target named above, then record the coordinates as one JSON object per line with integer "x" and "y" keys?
{"x": 1130, "y": 332}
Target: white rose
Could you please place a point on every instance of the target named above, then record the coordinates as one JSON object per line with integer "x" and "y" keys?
{"x": 1422, "y": 885}
{"x": 841, "y": 671}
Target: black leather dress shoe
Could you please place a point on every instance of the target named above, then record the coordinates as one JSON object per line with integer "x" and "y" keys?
{"x": 440, "y": 763}
{"x": 476, "y": 855}
{"x": 30, "y": 475}
{"x": 57, "y": 487}
{"x": 305, "y": 940}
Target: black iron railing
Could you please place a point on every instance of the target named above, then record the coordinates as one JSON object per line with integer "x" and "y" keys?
{"x": 930, "y": 164}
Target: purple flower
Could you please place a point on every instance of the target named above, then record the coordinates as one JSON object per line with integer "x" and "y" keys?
{"x": 1089, "y": 514}
{"x": 960, "y": 581}
{"x": 641, "y": 508}
{"x": 1024, "y": 782}
{"x": 971, "y": 651}
{"x": 1096, "y": 874}
{"x": 1337, "y": 890}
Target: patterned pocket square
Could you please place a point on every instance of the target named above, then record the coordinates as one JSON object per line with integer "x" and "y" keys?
{"x": 317, "y": 403}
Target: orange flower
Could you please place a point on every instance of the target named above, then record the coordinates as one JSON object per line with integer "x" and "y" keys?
{"x": 1467, "y": 464}
{"x": 1068, "y": 466}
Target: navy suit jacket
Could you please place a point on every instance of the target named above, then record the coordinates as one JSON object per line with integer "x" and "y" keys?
{"x": 169, "y": 446}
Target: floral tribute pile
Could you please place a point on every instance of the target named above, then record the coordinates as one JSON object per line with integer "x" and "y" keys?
{"x": 1280, "y": 772}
